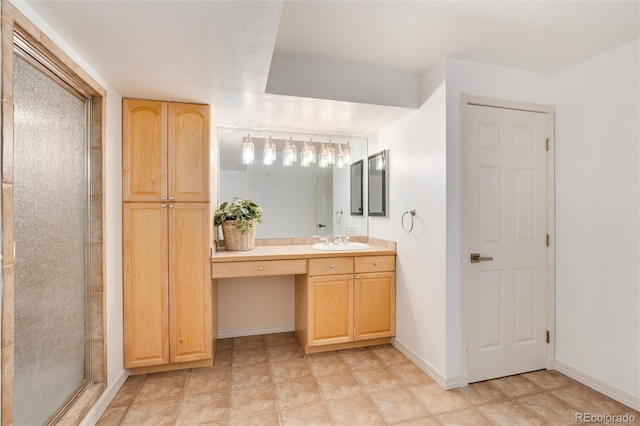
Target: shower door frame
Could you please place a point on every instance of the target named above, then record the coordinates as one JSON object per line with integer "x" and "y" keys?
{"x": 17, "y": 30}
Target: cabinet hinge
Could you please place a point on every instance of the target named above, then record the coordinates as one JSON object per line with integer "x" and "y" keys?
{"x": 547, "y": 144}
{"x": 548, "y": 240}
{"x": 548, "y": 337}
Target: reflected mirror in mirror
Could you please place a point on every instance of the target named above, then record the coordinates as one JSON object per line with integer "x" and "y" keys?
{"x": 298, "y": 202}
{"x": 356, "y": 182}
{"x": 377, "y": 184}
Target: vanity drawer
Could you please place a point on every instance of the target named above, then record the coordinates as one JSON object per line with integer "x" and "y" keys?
{"x": 258, "y": 268}
{"x": 331, "y": 266}
{"x": 375, "y": 264}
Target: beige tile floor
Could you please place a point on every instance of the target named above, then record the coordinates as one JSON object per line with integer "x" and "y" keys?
{"x": 267, "y": 380}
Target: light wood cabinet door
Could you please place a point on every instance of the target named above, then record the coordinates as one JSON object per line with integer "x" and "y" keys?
{"x": 330, "y": 314}
{"x": 144, "y": 150}
{"x": 374, "y": 305}
{"x": 189, "y": 282}
{"x": 145, "y": 264}
{"x": 188, "y": 152}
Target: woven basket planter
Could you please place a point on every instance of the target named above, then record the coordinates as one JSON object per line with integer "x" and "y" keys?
{"x": 234, "y": 240}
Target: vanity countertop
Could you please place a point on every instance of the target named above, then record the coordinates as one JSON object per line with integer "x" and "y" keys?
{"x": 292, "y": 252}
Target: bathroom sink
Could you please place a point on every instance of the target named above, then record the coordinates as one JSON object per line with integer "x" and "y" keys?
{"x": 340, "y": 247}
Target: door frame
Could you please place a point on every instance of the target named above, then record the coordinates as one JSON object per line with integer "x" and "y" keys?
{"x": 465, "y": 102}
{"x": 14, "y": 25}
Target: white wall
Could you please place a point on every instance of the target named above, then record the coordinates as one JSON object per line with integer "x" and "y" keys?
{"x": 113, "y": 215}
{"x": 597, "y": 218}
{"x": 417, "y": 180}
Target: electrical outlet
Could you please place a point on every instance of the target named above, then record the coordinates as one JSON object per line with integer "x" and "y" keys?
{"x": 352, "y": 232}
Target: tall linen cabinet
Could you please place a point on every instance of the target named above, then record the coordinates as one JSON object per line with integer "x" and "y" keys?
{"x": 168, "y": 318}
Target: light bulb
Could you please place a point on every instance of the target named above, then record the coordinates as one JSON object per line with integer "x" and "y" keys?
{"x": 247, "y": 151}
{"x": 269, "y": 152}
{"x": 330, "y": 153}
{"x": 346, "y": 155}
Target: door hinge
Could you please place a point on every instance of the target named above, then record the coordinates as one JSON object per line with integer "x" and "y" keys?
{"x": 547, "y": 144}
{"x": 548, "y": 240}
{"x": 548, "y": 337}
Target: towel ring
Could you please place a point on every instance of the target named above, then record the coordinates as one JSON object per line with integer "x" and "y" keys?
{"x": 338, "y": 216}
{"x": 411, "y": 212}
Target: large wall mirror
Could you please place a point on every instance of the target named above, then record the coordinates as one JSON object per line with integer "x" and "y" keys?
{"x": 298, "y": 202}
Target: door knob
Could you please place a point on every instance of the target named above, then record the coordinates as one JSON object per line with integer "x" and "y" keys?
{"x": 475, "y": 258}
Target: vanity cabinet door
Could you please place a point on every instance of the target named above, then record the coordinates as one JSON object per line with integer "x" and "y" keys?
{"x": 330, "y": 316}
{"x": 374, "y": 305}
{"x": 146, "y": 281}
{"x": 188, "y": 145}
{"x": 144, "y": 150}
{"x": 189, "y": 282}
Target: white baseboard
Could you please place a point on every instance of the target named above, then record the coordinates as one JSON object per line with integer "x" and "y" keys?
{"x": 251, "y": 331}
{"x": 445, "y": 382}
{"x": 103, "y": 402}
{"x": 597, "y": 384}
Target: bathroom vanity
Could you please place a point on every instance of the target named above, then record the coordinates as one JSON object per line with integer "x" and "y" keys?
{"x": 343, "y": 298}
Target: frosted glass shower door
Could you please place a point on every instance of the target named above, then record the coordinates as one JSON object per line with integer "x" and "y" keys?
{"x": 50, "y": 217}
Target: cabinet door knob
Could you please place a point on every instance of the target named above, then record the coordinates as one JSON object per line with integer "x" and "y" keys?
{"x": 163, "y": 198}
{"x": 170, "y": 206}
{"x": 170, "y": 198}
{"x": 163, "y": 206}
{"x": 357, "y": 277}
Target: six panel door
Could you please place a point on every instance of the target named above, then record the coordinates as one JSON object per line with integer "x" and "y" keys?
{"x": 507, "y": 169}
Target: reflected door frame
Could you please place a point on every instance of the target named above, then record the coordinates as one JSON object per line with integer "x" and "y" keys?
{"x": 465, "y": 102}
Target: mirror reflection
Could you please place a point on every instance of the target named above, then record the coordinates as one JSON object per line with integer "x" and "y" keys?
{"x": 298, "y": 201}
{"x": 377, "y": 184}
{"x": 356, "y": 182}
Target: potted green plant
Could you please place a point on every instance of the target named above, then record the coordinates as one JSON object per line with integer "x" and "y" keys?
{"x": 238, "y": 219}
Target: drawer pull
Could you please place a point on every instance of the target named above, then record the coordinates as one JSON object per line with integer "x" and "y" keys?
{"x": 260, "y": 268}
{"x": 375, "y": 264}
{"x": 332, "y": 266}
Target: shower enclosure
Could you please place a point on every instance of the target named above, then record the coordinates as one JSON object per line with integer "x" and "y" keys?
{"x": 51, "y": 235}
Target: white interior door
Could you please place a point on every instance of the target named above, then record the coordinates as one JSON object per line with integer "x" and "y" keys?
{"x": 506, "y": 160}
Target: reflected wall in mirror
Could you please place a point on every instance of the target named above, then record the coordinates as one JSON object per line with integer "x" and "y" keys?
{"x": 356, "y": 182}
{"x": 377, "y": 184}
{"x": 298, "y": 202}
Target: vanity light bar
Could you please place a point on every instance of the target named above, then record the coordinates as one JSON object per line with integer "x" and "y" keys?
{"x": 308, "y": 154}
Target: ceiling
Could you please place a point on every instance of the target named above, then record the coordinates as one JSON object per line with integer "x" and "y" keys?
{"x": 225, "y": 53}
